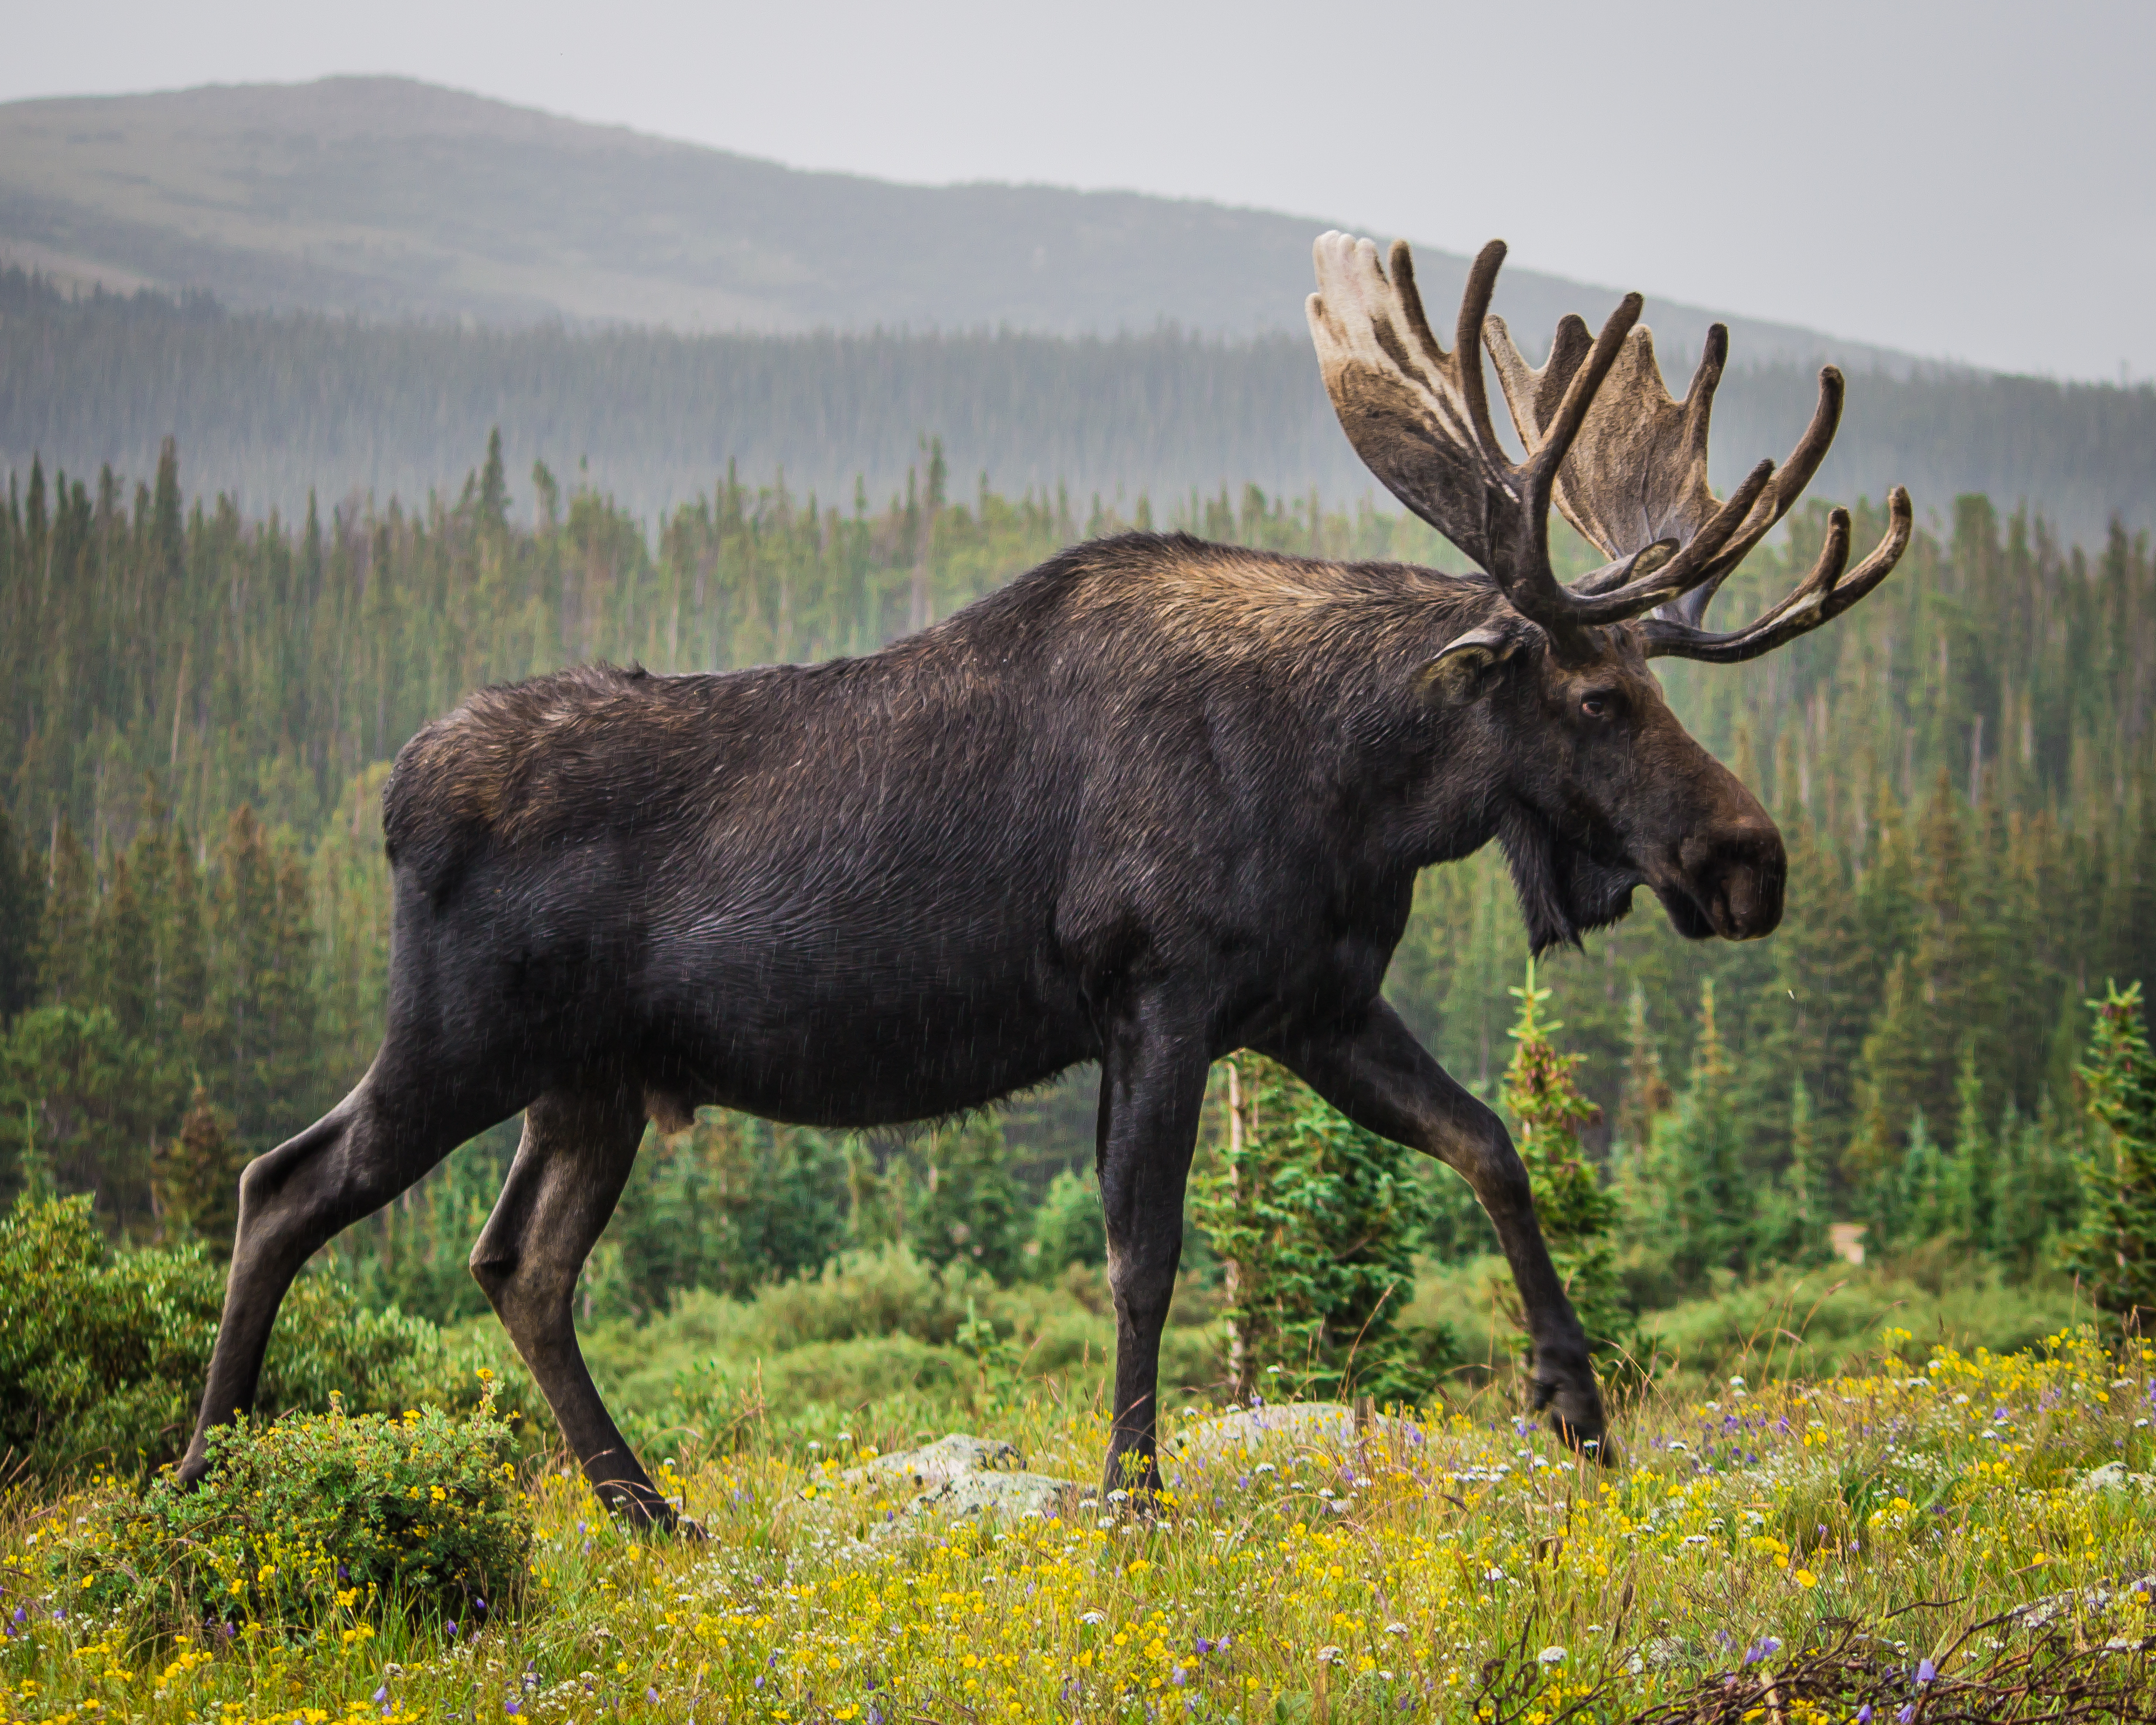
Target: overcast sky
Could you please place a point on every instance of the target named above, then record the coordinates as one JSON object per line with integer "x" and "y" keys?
{"x": 1970, "y": 180}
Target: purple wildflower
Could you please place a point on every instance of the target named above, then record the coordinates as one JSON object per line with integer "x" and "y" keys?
{"x": 511, "y": 1706}
{"x": 382, "y": 1693}
{"x": 1864, "y": 1714}
{"x": 651, "y": 1695}
{"x": 1926, "y": 1670}
{"x": 1906, "y": 1714}
{"x": 1203, "y": 1645}
{"x": 451, "y": 1626}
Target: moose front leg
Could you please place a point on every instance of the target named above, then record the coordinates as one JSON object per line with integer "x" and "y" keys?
{"x": 1380, "y": 1077}
{"x": 1153, "y": 1088}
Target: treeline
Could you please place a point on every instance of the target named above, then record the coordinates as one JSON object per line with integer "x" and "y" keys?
{"x": 270, "y": 405}
{"x": 199, "y": 707}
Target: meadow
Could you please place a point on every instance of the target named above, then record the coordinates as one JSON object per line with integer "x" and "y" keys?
{"x": 1926, "y": 1533}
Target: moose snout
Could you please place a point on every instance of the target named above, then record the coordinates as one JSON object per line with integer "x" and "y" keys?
{"x": 1734, "y": 874}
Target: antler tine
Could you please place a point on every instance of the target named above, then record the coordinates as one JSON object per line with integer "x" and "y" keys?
{"x": 1467, "y": 337}
{"x": 1822, "y": 595}
{"x": 1789, "y": 482}
{"x": 1579, "y": 390}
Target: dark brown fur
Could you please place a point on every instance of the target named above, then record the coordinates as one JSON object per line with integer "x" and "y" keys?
{"x": 1155, "y": 801}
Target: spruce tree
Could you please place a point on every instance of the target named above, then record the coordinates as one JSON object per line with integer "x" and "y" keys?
{"x": 22, "y": 912}
{"x": 1710, "y": 1195}
{"x": 1918, "y": 1213}
{"x": 120, "y": 940}
{"x": 1972, "y": 1172}
{"x": 2113, "y": 1251}
{"x": 1315, "y": 1222}
{"x": 197, "y": 1177}
{"x": 1888, "y": 1091}
{"x": 66, "y": 962}
{"x": 1579, "y": 1217}
{"x": 493, "y": 484}
{"x": 262, "y": 1053}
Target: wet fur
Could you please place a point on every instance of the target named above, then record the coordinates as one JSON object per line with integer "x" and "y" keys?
{"x": 1153, "y": 802}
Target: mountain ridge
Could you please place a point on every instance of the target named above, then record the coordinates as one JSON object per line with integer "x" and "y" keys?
{"x": 392, "y": 198}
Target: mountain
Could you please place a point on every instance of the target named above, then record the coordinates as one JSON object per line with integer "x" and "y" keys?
{"x": 356, "y": 278}
{"x": 392, "y": 198}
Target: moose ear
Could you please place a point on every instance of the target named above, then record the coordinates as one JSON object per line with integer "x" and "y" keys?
{"x": 1456, "y": 674}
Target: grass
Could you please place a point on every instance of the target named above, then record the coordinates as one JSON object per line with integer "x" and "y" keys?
{"x": 1452, "y": 1565}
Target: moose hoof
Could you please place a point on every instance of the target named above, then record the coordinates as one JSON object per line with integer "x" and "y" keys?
{"x": 1574, "y": 1402}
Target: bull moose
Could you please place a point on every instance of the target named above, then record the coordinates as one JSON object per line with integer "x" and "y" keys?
{"x": 1154, "y": 801}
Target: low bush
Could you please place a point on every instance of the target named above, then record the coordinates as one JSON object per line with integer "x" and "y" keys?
{"x": 317, "y": 1517}
{"x": 103, "y": 1353}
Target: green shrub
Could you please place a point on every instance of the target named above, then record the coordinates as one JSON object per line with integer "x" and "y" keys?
{"x": 318, "y": 1516}
{"x": 103, "y": 1353}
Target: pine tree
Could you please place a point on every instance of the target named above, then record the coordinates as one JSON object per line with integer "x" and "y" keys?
{"x": 1918, "y": 1213}
{"x": 2113, "y": 1250}
{"x": 22, "y": 912}
{"x": 120, "y": 941}
{"x": 1888, "y": 1091}
{"x": 1950, "y": 964}
{"x": 1793, "y": 1225}
{"x": 1971, "y": 1173}
{"x": 182, "y": 952}
{"x": 1578, "y": 1216}
{"x": 1829, "y": 976}
{"x": 198, "y": 1176}
{"x": 168, "y": 533}
{"x": 65, "y": 957}
{"x": 493, "y": 484}
{"x": 1711, "y": 1198}
{"x": 261, "y": 1049}
{"x": 1314, "y": 1221}
{"x": 1646, "y": 1095}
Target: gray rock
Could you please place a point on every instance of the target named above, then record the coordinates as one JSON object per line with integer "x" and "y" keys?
{"x": 1281, "y": 1425}
{"x": 2113, "y": 1477}
{"x": 962, "y": 1476}
{"x": 935, "y": 1465}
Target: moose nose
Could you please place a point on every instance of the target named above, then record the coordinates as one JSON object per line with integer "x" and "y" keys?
{"x": 1735, "y": 874}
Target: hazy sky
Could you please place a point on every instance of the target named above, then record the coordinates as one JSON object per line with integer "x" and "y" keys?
{"x": 1971, "y": 181}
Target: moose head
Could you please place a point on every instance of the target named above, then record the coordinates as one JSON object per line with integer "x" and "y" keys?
{"x": 1602, "y": 790}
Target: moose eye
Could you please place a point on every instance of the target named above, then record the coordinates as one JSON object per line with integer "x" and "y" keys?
{"x": 1597, "y": 707}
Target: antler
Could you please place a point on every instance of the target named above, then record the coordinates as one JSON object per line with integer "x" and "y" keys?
{"x": 1626, "y": 462}
{"x": 1822, "y": 595}
{"x": 1419, "y": 417}
{"x": 1636, "y": 473}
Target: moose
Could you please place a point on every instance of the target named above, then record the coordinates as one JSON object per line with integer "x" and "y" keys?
{"x": 1153, "y": 802}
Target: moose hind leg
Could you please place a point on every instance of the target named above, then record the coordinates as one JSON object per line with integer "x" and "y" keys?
{"x": 295, "y": 1199}
{"x": 568, "y": 1174}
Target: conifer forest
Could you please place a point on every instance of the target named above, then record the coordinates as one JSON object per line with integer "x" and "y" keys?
{"x": 201, "y": 708}
{"x": 1860, "y": 1219}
